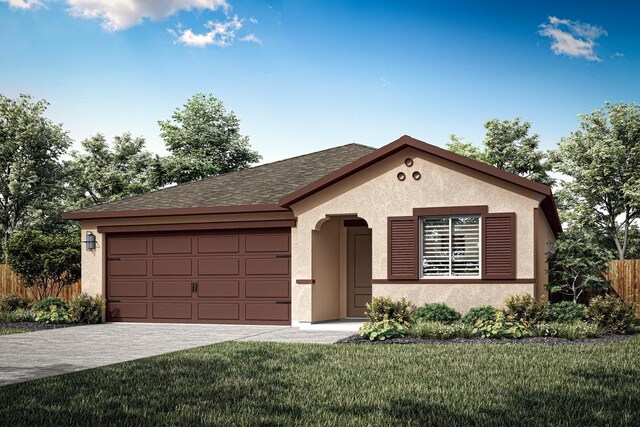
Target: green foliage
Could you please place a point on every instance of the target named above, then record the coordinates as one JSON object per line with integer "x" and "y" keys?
{"x": 380, "y": 331}
{"x": 45, "y": 303}
{"x": 86, "y": 309}
{"x": 500, "y": 326}
{"x": 467, "y": 149}
{"x": 435, "y": 312}
{"x": 566, "y": 312}
{"x": 442, "y": 331}
{"x": 204, "y": 140}
{"x": 14, "y": 301}
{"x": 576, "y": 330}
{"x": 53, "y": 315}
{"x": 384, "y": 308}
{"x": 31, "y": 174}
{"x": 602, "y": 162}
{"x": 525, "y": 309}
{"x": 18, "y": 315}
{"x": 477, "y": 313}
{"x": 45, "y": 263}
{"x": 577, "y": 264}
{"x": 611, "y": 313}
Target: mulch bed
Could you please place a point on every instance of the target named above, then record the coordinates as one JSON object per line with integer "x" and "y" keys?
{"x": 606, "y": 339}
{"x": 35, "y": 326}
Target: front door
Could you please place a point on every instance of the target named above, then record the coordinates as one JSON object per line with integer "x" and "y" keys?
{"x": 358, "y": 270}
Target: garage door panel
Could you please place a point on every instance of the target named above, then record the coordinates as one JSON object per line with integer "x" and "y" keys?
{"x": 267, "y": 288}
{"x": 218, "y": 266}
{"x": 172, "y": 310}
{"x": 177, "y": 289}
{"x": 219, "y": 311}
{"x": 127, "y": 289}
{"x": 267, "y": 311}
{"x": 267, "y": 243}
{"x": 171, "y": 245}
{"x": 128, "y": 267}
{"x": 172, "y": 267}
{"x": 267, "y": 266}
{"x": 219, "y": 288}
{"x": 127, "y": 310}
{"x": 128, "y": 246}
{"x": 219, "y": 245}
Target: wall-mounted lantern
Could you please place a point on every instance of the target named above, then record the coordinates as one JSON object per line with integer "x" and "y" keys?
{"x": 91, "y": 241}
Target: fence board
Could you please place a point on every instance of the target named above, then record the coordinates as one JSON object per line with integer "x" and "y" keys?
{"x": 10, "y": 283}
{"x": 624, "y": 275}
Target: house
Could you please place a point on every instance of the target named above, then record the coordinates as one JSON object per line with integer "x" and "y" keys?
{"x": 315, "y": 237}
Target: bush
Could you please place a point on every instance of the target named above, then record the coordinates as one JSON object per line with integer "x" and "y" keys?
{"x": 442, "y": 331}
{"x": 18, "y": 315}
{"x": 14, "y": 301}
{"x": 384, "y": 308}
{"x": 44, "y": 304}
{"x": 380, "y": 331}
{"x": 611, "y": 313}
{"x": 525, "y": 309}
{"x": 566, "y": 312}
{"x": 500, "y": 326}
{"x": 435, "y": 312}
{"x": 54, "y": 315}
{"x": 86, "y": 309}
{"x": 477, "y": 313}
{"x": 576, "y": 330}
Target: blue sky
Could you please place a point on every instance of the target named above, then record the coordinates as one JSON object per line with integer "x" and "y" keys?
{"x": 304, "y": 76}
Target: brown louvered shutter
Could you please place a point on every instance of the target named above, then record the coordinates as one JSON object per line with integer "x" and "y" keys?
{"x": 499, "y": 244}
{"x": 402, "y": 237}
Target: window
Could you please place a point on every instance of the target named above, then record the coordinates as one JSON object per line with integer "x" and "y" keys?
{"x": 450, "y": 246}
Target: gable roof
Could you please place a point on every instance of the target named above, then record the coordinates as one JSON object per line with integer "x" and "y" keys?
{"x": 548, "y": 204}
{"x": 256, "y": 189}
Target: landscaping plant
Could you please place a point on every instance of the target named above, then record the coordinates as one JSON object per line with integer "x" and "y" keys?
{"x": 384, "y": 308}
{"x": 525, "y": 309}
{"x": 43, "y": 304}
{"x": 442, "y": 331}
{"x": 500, "y": 325}
{"x": 566, "y": 312}
{"x": 86, "y": 309}
{"x": 435, "y": 312}
{"x": 612, "y": 313}
{"x": 380, "y": 331}
{"x": 477, "y": 313}
{"x": 52, "y": 310}
{"x": 576, "y": 330}
{"x": 14, "y": 301}
{"x": 19, "y": 315}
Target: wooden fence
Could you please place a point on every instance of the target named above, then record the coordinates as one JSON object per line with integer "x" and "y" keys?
{"x": 625, "y": 277}
{"x": 9, "y": 283}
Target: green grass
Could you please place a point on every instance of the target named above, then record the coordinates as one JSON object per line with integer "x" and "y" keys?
{"x": 292, "y": 384}
{"x": 10, "y": 331}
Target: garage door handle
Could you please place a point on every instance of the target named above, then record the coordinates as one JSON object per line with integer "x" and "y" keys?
{"x": 283, "y": 302}
{"x": 194, "y": 286}
{"x": 113, "y": 300}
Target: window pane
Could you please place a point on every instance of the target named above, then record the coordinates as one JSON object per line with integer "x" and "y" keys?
{"x": 435, "y": 247}
{"x": 465, "y": 260}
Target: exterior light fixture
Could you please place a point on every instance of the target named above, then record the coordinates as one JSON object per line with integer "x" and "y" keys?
{"x": 91, "y": 241}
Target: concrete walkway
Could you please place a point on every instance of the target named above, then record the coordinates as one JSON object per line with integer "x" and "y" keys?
{"x": 28, "y": 356}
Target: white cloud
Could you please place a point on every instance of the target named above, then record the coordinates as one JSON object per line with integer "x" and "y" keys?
{"x": 251, "y": 38}
{"x": 23, "y": 4}
{"x": 120, "y": 14}
{"x": 219, "y": 34}
{"x": 572, "y": 38}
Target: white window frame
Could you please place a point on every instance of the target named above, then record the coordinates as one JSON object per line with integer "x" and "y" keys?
{"x": 421, "y": 247}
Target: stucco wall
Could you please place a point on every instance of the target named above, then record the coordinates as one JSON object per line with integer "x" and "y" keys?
{"x": 326, "y": 256}
{"x": 375, "y": 194}
{"x": 543, "y": 244}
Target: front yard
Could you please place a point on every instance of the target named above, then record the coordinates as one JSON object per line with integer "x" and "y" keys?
{"x": 239, "y": 383}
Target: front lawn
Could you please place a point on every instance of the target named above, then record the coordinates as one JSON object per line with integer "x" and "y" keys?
{"x": 238, "y": 383}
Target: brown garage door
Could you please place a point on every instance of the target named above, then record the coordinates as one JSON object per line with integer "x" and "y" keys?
{"x": 201, "y": 277}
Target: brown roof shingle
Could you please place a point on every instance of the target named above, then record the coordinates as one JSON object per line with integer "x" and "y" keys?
{"x": 264, "y": 184}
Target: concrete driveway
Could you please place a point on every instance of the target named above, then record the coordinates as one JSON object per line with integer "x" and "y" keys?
{"x": 25, "y": 357}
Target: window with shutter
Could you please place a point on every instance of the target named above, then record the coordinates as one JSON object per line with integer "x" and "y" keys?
{"x": 450, "y": 246}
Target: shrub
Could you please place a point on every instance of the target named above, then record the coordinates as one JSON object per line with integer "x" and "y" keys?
{"x": 384, "y": 308}
{"x": 442, "y": 331}
{"x": 525, "y": 309}
{"x": 477, "y": 313}
{"x": 576, "y": 330}
{"x": 86, "y": 309}
{"x": 435, "y": 312}
{"x": 566, "y": 312}
{"x": 611, "y": 313}
{"x": 53, "y": 314}
{"x": 500, "y": 326}
{"x": 380, "y": 331}
{"x": 18, "y": 315}
{"x": 44, "y": 304}
{"x": 14, "y": 301}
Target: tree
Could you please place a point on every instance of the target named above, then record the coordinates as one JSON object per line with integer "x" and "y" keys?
{"x": 102, "y": 173}
{"x": 602, "y": 162}
{"x": 577, "y": 264}
{"x": 45, "y": 263}
{"x": 30, "y": 171}
{"x": 204, "y": 140}
{"x": 509, "y": 146}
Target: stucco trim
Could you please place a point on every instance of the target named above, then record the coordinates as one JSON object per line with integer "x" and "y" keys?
{"x": 452, "y": 281}
{"x": 305, "y": 281}
{"x": 452, "y": 210}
